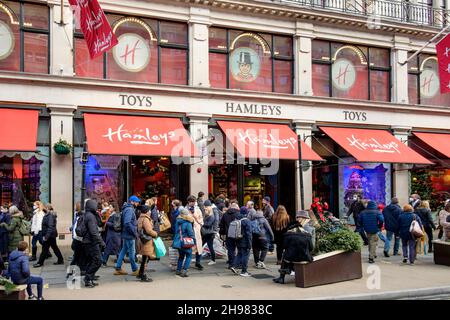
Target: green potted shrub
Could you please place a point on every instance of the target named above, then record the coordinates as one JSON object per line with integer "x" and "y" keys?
{"x": 62, "y": 147}
{"x": 8, "y": 286}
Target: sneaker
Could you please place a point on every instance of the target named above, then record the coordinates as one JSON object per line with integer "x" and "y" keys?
{"x": 386, "y": 254}
{"x": 32, "y": 297}
{"x": 411, "y": 263}
{"x": 120, "y": 272}
{"x": 89, "y": 284}
{"x": 292, "y": 273}
{"x": 178, "y": 273}
{"x": 405, "y": 260}
{"x": 135, "y": 273}
{"x": 104, "y": 265}
{"x": 41, "y": 298}
{"x": 261, "y": 265}
{"x": 235, "y": 271}
{"x": 211, "y": 263}
{"x": 37, "y": 265}
{"x": 184, "y": 274}
{"x": 199, "y": 266}
{"x": 371, "y": 261}
{"x": 145, "y": 278}
{"x": 245, "y": 274}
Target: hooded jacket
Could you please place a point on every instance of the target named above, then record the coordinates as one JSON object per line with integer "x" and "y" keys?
{"x": 129, "y": 225}
{"x": 18, "y": 268}
{"x": 49, "y": 225}
{"x": 13, "y": 228}
{"x": 90, "y": 220}
{"x": 266, "y": 230}
{"x": 297, "y": 244}
{"x": 404, "y": 223}
{"x": 227, "y": 217}
{"x": 246, "y": 231}
{"x": 183, "y": 228}
{"x": 371, "y": 218}
{"x": 391, "y": 214}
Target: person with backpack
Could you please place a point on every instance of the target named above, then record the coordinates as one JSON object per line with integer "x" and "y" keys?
{"x": 5, "y": 218}
{"x": 262, "y": 235}
{"x": 49, "y": 235}
{"x": 371, "y": 221}
{"x": 183, "y": 241}
{"x": 241, "y": 231}
{"x": 224, "y": 225}
{"x": 408, "y": 239}
{"x": 113, "y": 229}
{"x": 210, "y": 228}
{"x": 129, "y": 235}
{"x": 198, "y": 223}
{"x": 146, "y": 247}
{"x": 14, "y": 228}
{"x": 36, "y": 228}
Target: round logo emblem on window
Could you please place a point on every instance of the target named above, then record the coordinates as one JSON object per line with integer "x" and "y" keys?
{"x": 429, "y": 83}
{"x": 343, "y": 74}
{"x": 132, "y": 53}
{"x": 6, "y": 41}
{"x": 245, "y": 64}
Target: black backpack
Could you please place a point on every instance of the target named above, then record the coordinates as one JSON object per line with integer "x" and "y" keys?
{"x": 117, "y": 222}
{"x": 81, "y": 229}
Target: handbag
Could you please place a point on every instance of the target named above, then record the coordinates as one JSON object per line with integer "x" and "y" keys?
{"x": 186, "y": 242}
{"x": 415, "y": 229}
{"x": 144, "y": 237}
{"x": 164, "y": 223}
{"x": 160, "y": 248}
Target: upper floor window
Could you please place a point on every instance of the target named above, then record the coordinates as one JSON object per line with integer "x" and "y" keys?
{"x": 250, "y": 61}
{"x": 148, "y": 51}
{"x": 352, "y": 72}
{"x": 423, "y": 82}
{"x": 24, "y": 37}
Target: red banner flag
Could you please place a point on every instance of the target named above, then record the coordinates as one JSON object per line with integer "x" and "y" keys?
{"x": 94, "y": 25}
{"x": 443, "y": 55}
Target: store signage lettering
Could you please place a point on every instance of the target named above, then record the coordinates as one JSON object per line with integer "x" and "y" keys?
{"x": 355, "y": 116}
{"x": 374, "y": 145}
{"x": 135, "y": 101}
{"x": 138, "y": 136}
{"x": 271, "y": 142}
{"x": 253, "y": 108}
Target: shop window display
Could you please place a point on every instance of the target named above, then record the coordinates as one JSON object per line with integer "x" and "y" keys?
{"x": 30, "y": 22}
{"x": 250, "y": 61}
{"x": 223, "y": 179}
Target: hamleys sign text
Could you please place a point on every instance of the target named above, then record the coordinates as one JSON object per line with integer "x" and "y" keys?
{"x": 138, "y": 136}
{"x": 374, "y": 145}
{"x": 270, "y": 142}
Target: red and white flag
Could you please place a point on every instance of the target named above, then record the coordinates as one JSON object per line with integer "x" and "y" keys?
{"x": 443, "y": 55}
{"x": 94, "y": 25}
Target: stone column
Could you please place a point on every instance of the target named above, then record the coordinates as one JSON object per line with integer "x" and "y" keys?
{"x": 401, "y": 176}
{"x": 400, "y": 72}
{"x": 61, "y": 171}
{"x": 303, "y": 59}
{"x": 198, "y": 127}
{"x": 304, "y": 129}
{"x": 61, "y": 42}
{"x": 199, "y": 47}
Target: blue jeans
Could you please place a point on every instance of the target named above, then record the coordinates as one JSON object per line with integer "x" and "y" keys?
{"x": 381, "y": 236}
{"x": 37, "y": 281}
{"x": 36, "y": 238}
{"x": 409, "y": 245}
{"x": 231, "y": 250}
{"x": 242, "y": 259}
{"x": 387, "y": 243}
{"x": 128, "y": 246}
{"x": 186, "y": 256}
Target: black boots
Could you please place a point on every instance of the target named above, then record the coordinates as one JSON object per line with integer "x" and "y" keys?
{"x": 280, "y": 279}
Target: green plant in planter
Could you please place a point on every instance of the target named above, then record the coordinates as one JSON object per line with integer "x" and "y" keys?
{"x": 62, "y": 147}
{"x": 9, "y": 286}
{"x": 332, "y": 236}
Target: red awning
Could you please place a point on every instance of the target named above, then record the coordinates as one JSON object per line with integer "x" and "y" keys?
{"x": 140, "y": 136}
{"x": 18, "y": 129}
{"x": 265, "y": 141}
{"x": 374, "y": 146}
{"x": 438, "y": 141}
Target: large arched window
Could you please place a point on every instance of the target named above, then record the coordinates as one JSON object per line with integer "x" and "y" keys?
{"x": 24, "y": 37}
{"x": 250, "y": 61}
{"x": 149, "y": 50}
{"x": 423, "y": 82}
{"x": 349, "y": 71}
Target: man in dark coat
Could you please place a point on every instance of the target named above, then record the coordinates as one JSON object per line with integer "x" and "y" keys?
{"x": 49, "y": 235}
{"x": 391, "y": 214}
{"x": 355, "y": 208}
{"x": 372, "y": 221}
{"x": 93, "y": 244}
{"x": 224, "y": 224}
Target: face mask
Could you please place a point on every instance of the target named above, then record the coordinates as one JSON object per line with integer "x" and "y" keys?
{"x": 411, "y": 199}
{"x": 35, "y": 207}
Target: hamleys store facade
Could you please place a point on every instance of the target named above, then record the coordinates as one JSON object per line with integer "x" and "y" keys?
{"x": 199, "y": 98}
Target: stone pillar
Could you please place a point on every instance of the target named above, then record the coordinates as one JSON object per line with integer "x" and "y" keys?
{"x": 61, "y": 42}
{"x": 198, "y": 128}
{"x": 401, "y": 176}
{"x": 199, "y": 47}
{"x": 304, "y": 129}
{"x": 303, "y": 59}
{"x": 400, "y": 72}
{"x": 61, "y": 170}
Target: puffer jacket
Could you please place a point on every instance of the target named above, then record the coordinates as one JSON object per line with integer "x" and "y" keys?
{"x": 227, "y": 217}
{"x": 183, "y": 227}
{"x": 49, "y": 225}
{"x": 371, "y": 219}
{"x": 92, "y": 236}
{"x": 404, "y": 223}
{"x": 266, "y": 230}
{"x": 18, "y": 269}
{"x": 297, "y": 244}
{"x": 391, "y": 214}
{"x": 129, "y": 226}
{"x": 426, "y": 217}
{"x": 210, "y": 222}
{"x": 13, "y": 229}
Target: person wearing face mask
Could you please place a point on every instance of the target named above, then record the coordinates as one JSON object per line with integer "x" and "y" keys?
{"x": 414, "y": 200}
{"x": 36, "y": 227}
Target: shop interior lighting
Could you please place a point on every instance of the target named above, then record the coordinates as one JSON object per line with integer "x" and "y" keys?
{"x": 136, "y": 21}
{"x": 326, "y": 58}
{"x": 256, "y": 37}
{"x": 221, "y": 47}
{"x": 353, "y": 48}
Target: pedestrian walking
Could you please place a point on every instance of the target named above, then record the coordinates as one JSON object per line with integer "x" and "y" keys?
{"x": 268, "y": 213}
{"x": 49, "y": 235}
{"x": 355, "y": 209}
{"x": 113, "y": 236}
{"x": 280, "y": 223}
{"x": 224, "y": 224}
{"x": 5, "y": 218}
{"x": 210, "y": 228}
{"x": 19, "y": 271}
{"x": 262, "y": 236}
{"x": 176, "y": 209}
{"x": 371, "y": 221}
{"x": 390, "y": 215}
{"x": 444, "y": 225}
{"x": 36, "y": 228}
{"x": 15, "y": 221}
{"x": 146, "y": 247}
{"x": 242, "y": 230}
{"x": 129, "y": 235}
{"x": 424, "y": 212}
{"x": 414, "y": 200}
{"x": 154, "y": 212}
{"x": 408, "y": 240}
{"x": 184, "y": 229}
{"x": 200, "y": 202}
{"x": 198, "y": 223}
{"x": 79, "y": 257}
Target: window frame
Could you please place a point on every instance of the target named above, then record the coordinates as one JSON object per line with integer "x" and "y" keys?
{"x": 273, "y": 57}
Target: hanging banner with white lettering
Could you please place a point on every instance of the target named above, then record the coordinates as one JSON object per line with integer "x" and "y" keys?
{"x": 443, "y": 55}
{"x": 94, "y": 25}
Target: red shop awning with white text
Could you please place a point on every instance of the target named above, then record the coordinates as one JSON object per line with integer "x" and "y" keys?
{"x": 18, "y": 129}
{"x": 367, "y": 145}
{"x": 137, "y": 135}
{"x": 438, "y": 141}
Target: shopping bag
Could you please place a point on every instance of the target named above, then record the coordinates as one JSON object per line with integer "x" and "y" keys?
{"x": 173, "y": 257}
{"x": 160, "y": 248}
{"x": 164, "y": 222}
{"x": 220, "y": 250}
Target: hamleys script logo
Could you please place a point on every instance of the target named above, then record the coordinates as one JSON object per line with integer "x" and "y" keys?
{"x": 429, "y": 83}
{"x": 344, "y": 74}
{"x": 373, "y": 144}
{"x": 138, "y": 136}
{"x": 270, "y": 141}
{"x": 132, "y": 53}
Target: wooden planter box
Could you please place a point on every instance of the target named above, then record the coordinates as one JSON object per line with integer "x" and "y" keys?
{"x": 328, "y": 268}
{"x": 441, "y": 252}
{"x": 18, "y": 294}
